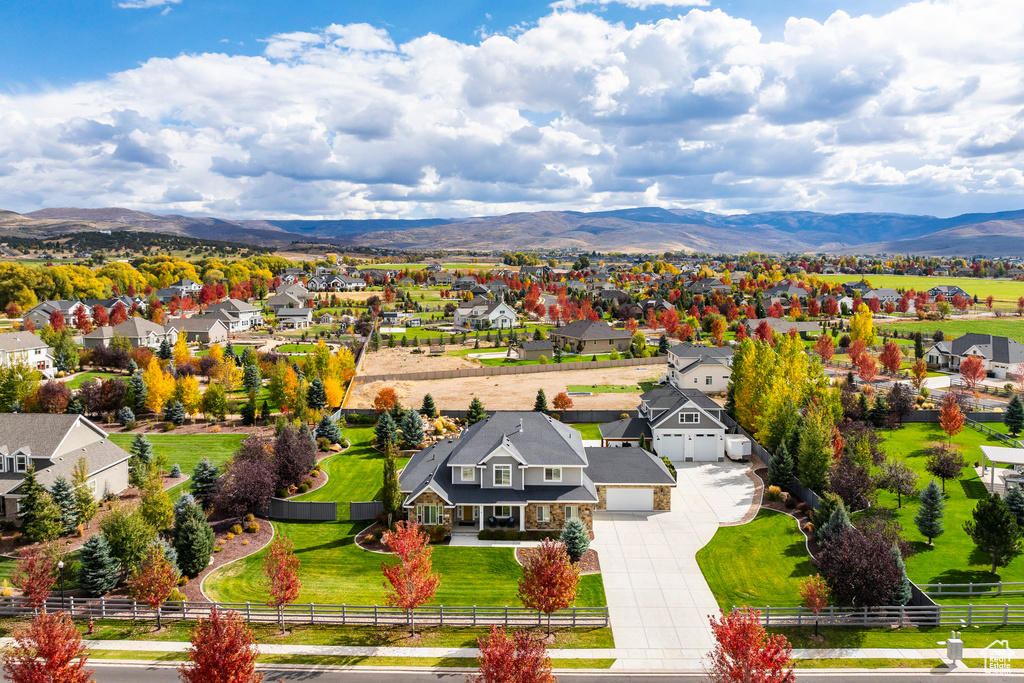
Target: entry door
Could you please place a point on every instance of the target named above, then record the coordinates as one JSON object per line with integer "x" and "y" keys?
{"x": 467, "y": 513}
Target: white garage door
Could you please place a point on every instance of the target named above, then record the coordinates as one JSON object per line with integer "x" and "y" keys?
{"x": 705, "y": 448}
{"x": 629, "y": 499}
{"x": 672, "y": 446}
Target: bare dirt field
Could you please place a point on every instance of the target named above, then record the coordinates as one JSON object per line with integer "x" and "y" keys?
{"x": 387, "y": 361}
{"x": 514, "y": 392}
{"x": 358, "y": 296}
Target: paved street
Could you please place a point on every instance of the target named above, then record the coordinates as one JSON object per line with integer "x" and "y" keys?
{"x": 657, "y": 597}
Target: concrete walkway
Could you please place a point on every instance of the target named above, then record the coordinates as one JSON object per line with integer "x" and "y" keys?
{"x": 658, "y": 600}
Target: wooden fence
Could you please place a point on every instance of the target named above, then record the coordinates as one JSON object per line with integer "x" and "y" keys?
{"x": 896, "y": 617}
{"x": 337, "y": 615}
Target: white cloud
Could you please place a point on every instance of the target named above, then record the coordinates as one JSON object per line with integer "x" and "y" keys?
{"x": 635, "y": 4}
{"x": 145, "y": 4}
{"x": 904, "y": 111}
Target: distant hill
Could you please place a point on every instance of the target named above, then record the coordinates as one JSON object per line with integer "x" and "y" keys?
{"x": 627, "y": 230}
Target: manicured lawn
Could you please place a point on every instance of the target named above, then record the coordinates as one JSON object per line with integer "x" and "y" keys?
{"x": 187, "y": 450}
{"x": 295, "y": 348}
{"x": 756, "y": 564}
{"x": 238, "y": 349}
{"x": 588, "y": 431}
{"x": 1003, "y": 327}
{"x": 78, "y": 380}
{"x": 910, "y": 638}
{"x": 1006, "y": 290}
{"x": 334, "y": 570}
{"x": 606, "y": 388}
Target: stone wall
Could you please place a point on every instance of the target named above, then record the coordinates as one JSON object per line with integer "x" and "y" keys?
{"x": 586, "y": 513}
{"x": 662, "y": 495}
{"x": 431, "y": 498}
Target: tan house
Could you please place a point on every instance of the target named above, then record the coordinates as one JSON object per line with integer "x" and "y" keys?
{"x": 591, "y": 336}
{"x": 25, "y": 348}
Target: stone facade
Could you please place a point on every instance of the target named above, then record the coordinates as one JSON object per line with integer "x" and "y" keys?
{"x": 431, "y": 498}
{"x": 662, "y": 495}
{"x": 557, "y": 521}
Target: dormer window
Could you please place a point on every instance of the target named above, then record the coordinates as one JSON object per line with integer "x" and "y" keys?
{"x": 20, "y": 463}
{"x": 503, "y": 475}
{"x": 689, "y": 418}
{"x": 468, "y": 473}
{"x": 552, "y": 474}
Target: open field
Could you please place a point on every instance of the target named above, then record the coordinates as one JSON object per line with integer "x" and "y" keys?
{"x": 513, "y": 392}
{"x": 399, "y": 360}
{"x": 1003, "y": 327}
{"x": 1004, "y": 290}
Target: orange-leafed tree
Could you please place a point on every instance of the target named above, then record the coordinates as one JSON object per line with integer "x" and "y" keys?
{"x": 562, "y": 401}
{"x": 856, "y": 351}
{"x": 34, "y": 575}
{"x": 972, "y": 369}
{"x": 550, "y": 580}
{"x": 632, "y": 325}
{"x": 652, "y": 318}
{"x": 741, "y": 332}
{"x": 763, "y": 332}
{"x": 281, "y": 571}
{"x": 815, "y": 594}
{"x": 989, "y": 300}
{"x": 825, "y": 347}
{"x": 813, "y": 308}
{"x": 744, "y": 652}
{"x": 718, "y": 327}
{"x": 919, "y": 373}
{"x": 412, "y": 581}
{"x": 891, "y": 357}
{"x": 152, "y": 580}
{"x": 385, "y": 400}
{"x": 223, "y": 650}
{"x": 830, "y": 307}
{"x": 950, "y": 416}
{"x": 868, "y": 368}
{"x": 506, "y": 658}
{"x": 47, "y": 650}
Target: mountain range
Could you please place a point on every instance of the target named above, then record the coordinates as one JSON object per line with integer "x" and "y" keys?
{"x": 638, "y": 230}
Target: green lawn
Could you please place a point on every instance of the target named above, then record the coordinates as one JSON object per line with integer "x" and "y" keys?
{"x": 588, "y": 431}
{"x": 1003, "y": 327}
{"x": 1006, "y": 290}
{"x": 757, "y": 564}
{"x": 910, "y": 638}
{"x": 334, "y": 570}
{"x": 187, "y": 450}
{"x": 78, "y": 380}
{"x": 295, "y": 348}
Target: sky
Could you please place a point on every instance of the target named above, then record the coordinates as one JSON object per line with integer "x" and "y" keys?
{"x": 409, "y": 109}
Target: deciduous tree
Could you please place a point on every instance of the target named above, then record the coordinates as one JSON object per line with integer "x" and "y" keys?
{"x": 950, "y": 416}
{"x": 550, "y": 581}
{"x": 891, "y": 357}
{"x": 825, "y": 347}
{"x": 744, "y": 652}
{"x": 152, "y": 580}
{"x": 281, "y": 574}
{"x": 223, "y": 650}
{"x": 898, "y": 478}
{"x": 919, "y": 373}
{"x": 946, "y": 463}
{"x": 34, "y": 575}
{"x": 562, "y": 401}
{"x": 412, "y": 581}
{"x": 47, "y": 650}
{"x": 972, "y": 369}
{"x": 385, "y": 400}
{"x": 814, "y": 592}
{"x": 859, "y": 571}
{"x": 518, "y": 658}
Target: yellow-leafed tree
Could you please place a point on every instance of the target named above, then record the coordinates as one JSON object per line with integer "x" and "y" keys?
{"x": 181, "y": 350}
{"x": 186, "y": 390}
{"x": 159, "y": 386}
{"x": 862, "y": 326}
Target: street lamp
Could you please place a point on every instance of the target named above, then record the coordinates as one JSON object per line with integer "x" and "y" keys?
{"x": 60, "y": 567}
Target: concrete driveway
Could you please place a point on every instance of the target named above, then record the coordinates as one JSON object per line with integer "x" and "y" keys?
{"x": 658, "y": 599}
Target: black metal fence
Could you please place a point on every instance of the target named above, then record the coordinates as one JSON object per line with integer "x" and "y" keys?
{"x": 302, "y": 510}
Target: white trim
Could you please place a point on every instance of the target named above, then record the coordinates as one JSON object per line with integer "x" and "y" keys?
{"x": 689, "y": 413}
{"x": 546, "y": 516}
{"x": 554, "y": 471}
{"x": 502, "y": 468}
{"x": 575, "y": 512}
{"x": 472, "y": 473}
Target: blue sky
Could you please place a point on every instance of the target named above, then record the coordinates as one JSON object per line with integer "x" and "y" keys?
{"x": 257, "y": 108}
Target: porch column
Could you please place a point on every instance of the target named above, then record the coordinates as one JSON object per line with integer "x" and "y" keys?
{"x": 522, "y": 518}
{"x": 481, "y": 518}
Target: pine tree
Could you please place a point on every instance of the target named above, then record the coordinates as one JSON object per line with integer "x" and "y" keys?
{"x": 392, "y": 496}
{"x": 931, "y": 510}
{"x": 165, "y": 352}
{"x": 476, "y": 411}
{"x": 879, "y": 411}
{"x": 125, "y": 415}
{"x": 40, "y": 516}
{"x": 132, "y": 367}
{"x": 138, "y": 391}
{"x": 1014, "y": 416}
{"x": 918, "y": 345}
{"x": 84, "y": 502}
{"x": 780, "y": 471}
{"x": 248, "y": 413}
{"x": 576, "y": 538}
{"x": 64, "y": 497}
{"x": 204, "y": 482}
{"x": 386, "y": 431}
{"x": 174, "y": 412}
{"x": 264, "y": 412}
{"x": 902, "y": 593}
{"x": 863, "y": 406}
{"x": 1015, "y": 501}
{"x": 835, "y": 525}
{"x": 193, "y": 539}
{"x": 541, "y": 404}
{"x": 142, "y": 455}
{"x": 170, "y": 554}
{"x": 412, "y": 429}
{"x": 98, "y": 573}
{"x": 252, "y": 380}
{"x": 663, "y": 345}
{"x": 428, "y": 408}
{"x": 995, "y": 531}
{"x": 328, "y": 429}
{"x": 316, "y": 395}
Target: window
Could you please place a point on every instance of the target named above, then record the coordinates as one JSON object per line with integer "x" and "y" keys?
{"x": 468, "y": 473}
{"x": 572, "y": 512}
{"x": 502, "y": 510}
{"x": 552, "y": 474}
{"x": 503, "y": 475}
{"x": 20, "y": 463}
{"x": 92, "y": 485}
{"x": 427, "y": 514}
{"x": 689, "y": 418}
{"x": 707, "y": 380}
{"x": 543, "y": 513}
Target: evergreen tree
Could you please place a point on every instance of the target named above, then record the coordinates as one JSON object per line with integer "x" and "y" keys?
{"x": 328, "y": 429}
{"x": 864, "y": 408}
{"x": 193, "y": 539}
{"x": 576, "y": 538}
{"x": 902, "y": 593}
{"x": 142, "y": 455}
{"x": 663, "y": 344}
{"x": 125, "y": 415}
{"x": 252, "y": 380}
{"x": 138, "y": 391}
{"x": 918, "y": 345}
{"x": 40, "y": 516}
{"x": 412, "y": 429}
{"x": 558, "y": 354}
{"x": 931, "y": 510}
{"x": 85, "y": 504}
{"x": 174, "y": 412}
{"x": 264, "y": 412}
{"x": 98, "y": 572}
{"x": 170, "y": 554}
{"x": 248, "y": 413}
{"x": 995, "y": 531}
{"x": 1013, "y": 418}
{"x": 165, "y": 352}
{"x": 181, "y": 508}
{"x": 375, "y": 341}
{"x": 541, "y": 404}
{"x": 1015, "y": 501}
{"x": 835, "y": 525}
{"x": 537, "y": 334}
{"x": 132, "y": 367}
{"x": 780, "y": 471}
{"x": 64, "y": 497}
{"x": 392, "y": 495}
{"x": 879, "y": 411}
{"x": 476, "y": 411}
{"x": 204, "y": 482}
{"x": 386, "y": 431}
{"x": 428, "y": 408}
{"x": 316, "y": 395}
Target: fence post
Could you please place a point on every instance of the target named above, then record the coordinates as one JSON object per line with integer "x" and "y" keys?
{"x": 902, "y": 610}
{"x": 312, "y": 619}
{"x": 103, "y": 608}
{"x": 1006, "y": 612}
{"x": 248, "y": 612}
{"x": 799, "y": 615}
{"x": 135, "y": 610}
{"x": 375, "y": 615}
{"x": 72, "y": 606}
{"x": 970, "y": 612}
{"x": 344, "y": 615}
{"x": 441, "y": 613}
{"x": 1000, "y": 588}
{"x": 474, "y": 615}
{"x": 506, "y": 616}
{"x": 767, "y": 614}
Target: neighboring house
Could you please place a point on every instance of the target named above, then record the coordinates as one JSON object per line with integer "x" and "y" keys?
{"x": 485, "y": 314}
{"x": 325, "y": 319}
{"x": 858, "y": 288}
{"x": 707, "y": 368}
{"x": 296, "y": 290}
{"x": 1000, "y": 354}
{"x": 25, "y": 348}
{"x": 324, "y": 283}
{"x": 576, "y": 286}
{"x": 591, "y": 336}
{"x": 840, "y": 302}
{"x": 532, "y": 349}
{"x": 392, "y": 317}
{"x": 464, "y": 283}
{"x": 406, "y": 282}
{"x": 616, "y": 295}
{"x": 786, "y": 290}
{"x": 185, "y": 287}
{"x": 443, "y": 279}
{"x": 657, "y": 303}
{"x": 237, "y": 315}
{"x": 682, "y": 425}
{"x": 351, "y": 284}
{"x": 54, "y": 444}
{"x": 202, "y": 329}
{"x": 40, "y": 313}
{"x": 884, "y": 295}
{"x": 284, "y": 300}
{"x": 497, "y": 287}
{"x": 706, "y": 286}
{"x": 948, "y": 291}
{"x": 294, "y": 318}
{"x": 530, "y": 470}
{"x": 140, "y": 332}
{"x": 779, "y": 326}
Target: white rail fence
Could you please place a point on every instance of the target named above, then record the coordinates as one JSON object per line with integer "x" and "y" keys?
{"x": 895, "y": 617}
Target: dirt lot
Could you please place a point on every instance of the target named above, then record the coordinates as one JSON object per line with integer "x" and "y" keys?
{"x": 514, "y": 392}
{"x": 397, "y": 360}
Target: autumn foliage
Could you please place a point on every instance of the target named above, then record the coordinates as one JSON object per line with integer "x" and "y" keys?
{"x": 153, "y": 579}
{"x": 815, "y": 594}
{"x": 34, "y": 575}
{"x": 47, "y": 650}
{"x": 223, "y": 651}
{"x": 972, "y": 369}
{"x": 412, "y": 581}
{"x": 825, "y": 347}
{"x": 562, "y": 401}
{"x": 385, "y": 400}
{"x": 744, "y": 652}
{"x": 550, "y": 580}
{"x": 891, "y": 357}
{"x": 867, "y": 368}
{"x": 281, "y": 569}
{"x": 516, "y": 658}
{"x": 950, "y": 416}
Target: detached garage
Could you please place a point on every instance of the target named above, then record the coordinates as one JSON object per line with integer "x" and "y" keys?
{"x": 629, "y": 479}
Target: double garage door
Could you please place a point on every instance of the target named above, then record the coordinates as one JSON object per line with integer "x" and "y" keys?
{"x": 681, "y": 448}
{"x": 629, "y": 499}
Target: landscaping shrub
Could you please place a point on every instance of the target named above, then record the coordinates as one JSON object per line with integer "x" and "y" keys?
{"x": 437, "y": 534}
{"x": 182, "y": 580}
{"x": 315, "y": 473}
{"x": 773, "y": 493}
{"x": 176, "y": 471}
{"x": 303, "y": 487}
{"x": 245, "y": 542}
{"x": 486, "y": 535}
{"x": 281, "y": 493}
{"x": 355, "y": 419}
{"x": 253, "y": 527}
{"x": 809, "y": 528}
{"x": 229, "y": 536}
{"x": 236, "y": 529}
{"x": 790, "y": 502}
{"x": 670, "y": 467}
{"x": 249, "y": 517}
{"x": 168, "y": 426}
{"x": 323, "y": 443}
{"x": 218, "y": 548}
{"x": 176, "y": 596}
{"x": 804, "y": 508}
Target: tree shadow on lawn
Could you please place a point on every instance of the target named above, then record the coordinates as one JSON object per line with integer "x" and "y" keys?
{"x": 968, "y": 575}
{"x": 974, "y": 488}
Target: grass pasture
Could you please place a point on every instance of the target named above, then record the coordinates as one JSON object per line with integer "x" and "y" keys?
{"x": 1003, "y": 290}
{"x": 1003, "y": 327}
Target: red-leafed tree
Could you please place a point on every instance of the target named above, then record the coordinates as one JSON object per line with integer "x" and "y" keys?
{"x": 34, "y": 575}
{"x": 989, "y": 301}
{"x": 856, "y": 351}
{"x": 874, "y": 304}
{"x": 745, "y": 653}
{"x": 868, "y": 368}
{"x": 12, "y": 310}
{"x": 412, "y": 581}
{"x": 47, "y": 650}
{"x": 82, "y": 321}
{"x": 281, "y": 569}
{"x": 763, "y": 332}
{"x": 741, "y": 332}
{"x": 632, "y": 325}
{"x": 918, "y": 373}
{"x": 223, "y": 650}
{"x": 562, "y": 401}
{"x": 57, "y": 321}
{"x": 28, "y": 325}
{"x": 53, "y": 397}
{"x": 99, "y": 315}
{"x": 152, "y": 580}
{"x": 516, "y": 658}
{"x": 830, "y": 307}
{"x": 652, "y": 318}
{"x": 669, "y": 320}
{"x": 889, "y": 307}
{"x": 813, "y": 308}
{"x": 972, "y": 369}
{"x": 950, "y": 416}
{"x": 825, "y": 347}
{"x": 794, "y": 307}
{"x": 550, "y": 581}
{"x": 775, "y": 310}
{"x": 891, "y": 357}
{"x": 815, "y": 593}
{"x": 118, "y": 314}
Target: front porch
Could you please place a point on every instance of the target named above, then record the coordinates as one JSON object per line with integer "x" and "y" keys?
{"x": 472, "y": 519}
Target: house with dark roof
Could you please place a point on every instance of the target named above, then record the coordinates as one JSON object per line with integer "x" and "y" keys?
{"x": 948, "y": 291}
{"x": 591, "y": 336}
{"x": 294, "y": 318}
{"x": 54, "y": 444}
{"x": 236, "y": 314}
{"x": 706, "y": 368}
{"x": 202, "y": 329}
{"x": 884, "y": 295}
{"x": 485, "y": 313}
{"x": 528, "y": 471}
{"x": 1000, "y": 355}
{"x": 41, "y": 312}
{"x": 464, "y": 283}
{"x": 532, "y": 349}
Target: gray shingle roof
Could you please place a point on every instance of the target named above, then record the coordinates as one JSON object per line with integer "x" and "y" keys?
{"x": 541, "y": 441}
{"x": 627, "y": 428}
{"x": 19, "y": 341}
{"x": 591, "y": 329}
{"x": 627, "y": 466}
